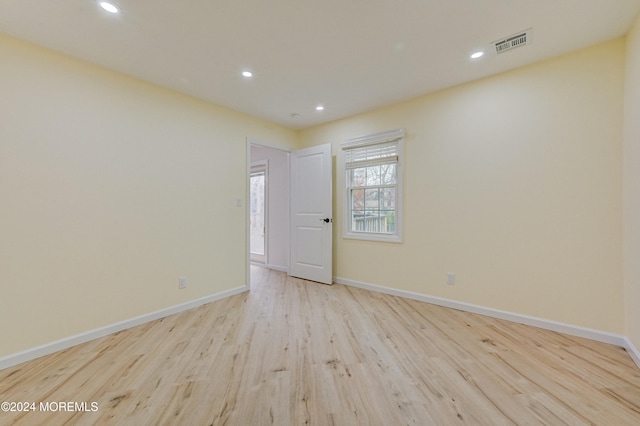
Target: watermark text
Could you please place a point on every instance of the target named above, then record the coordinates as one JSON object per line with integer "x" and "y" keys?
{"x": 49, "y": 406}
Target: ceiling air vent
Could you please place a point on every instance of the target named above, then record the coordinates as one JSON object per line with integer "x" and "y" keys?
{"x": 514, "y": 41}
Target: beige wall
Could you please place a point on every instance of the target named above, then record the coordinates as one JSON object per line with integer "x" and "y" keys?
{"x": 110, "y": 189}
{"x": 632, "y": 186}
{"x": 513, "y": 183}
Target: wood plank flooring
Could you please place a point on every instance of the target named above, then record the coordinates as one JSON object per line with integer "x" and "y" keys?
{"x": 292, "y": 352}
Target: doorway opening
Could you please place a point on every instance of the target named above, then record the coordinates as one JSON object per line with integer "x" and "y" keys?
{"x": 267, "y": 206}
{"x": 272, "y": 235}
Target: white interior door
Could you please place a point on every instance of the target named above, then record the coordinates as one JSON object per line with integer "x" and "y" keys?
{"x": 311, "y": 214}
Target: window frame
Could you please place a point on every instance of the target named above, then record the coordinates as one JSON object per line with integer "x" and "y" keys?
{"x": 397, "y": 136}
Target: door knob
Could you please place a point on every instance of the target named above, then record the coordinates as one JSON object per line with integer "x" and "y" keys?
{"x": 326, "y": 220}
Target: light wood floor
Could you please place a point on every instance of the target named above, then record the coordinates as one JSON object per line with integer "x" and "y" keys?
{"x": 292, "y": 352}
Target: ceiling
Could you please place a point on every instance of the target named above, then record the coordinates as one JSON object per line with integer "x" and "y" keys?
{"x": 348, "y": 55}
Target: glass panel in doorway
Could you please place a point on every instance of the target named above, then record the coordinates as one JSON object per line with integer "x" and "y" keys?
{"x": 257, "y": 213}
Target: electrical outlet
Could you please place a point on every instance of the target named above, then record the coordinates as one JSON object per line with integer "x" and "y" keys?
{"x": 451, "y": 278}
{"x": 182, "y": 282}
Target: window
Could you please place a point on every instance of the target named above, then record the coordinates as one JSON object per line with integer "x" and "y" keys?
{"x": 258, "y": 211}
{"x": 373, "y": 191}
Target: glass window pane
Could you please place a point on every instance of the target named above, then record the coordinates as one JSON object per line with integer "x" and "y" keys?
{"x": 372, "y": 197}
{"x": 357, "y": 199}
{"x": 357, "y": 220}
{"x": 373, "y": 175}
{"x": 388, "y": 199}
{"x": 359, "y": 177}
{"x": 372, "y": 220}
{"x": 388, "y": 174}
{"x": 389, "y": 222}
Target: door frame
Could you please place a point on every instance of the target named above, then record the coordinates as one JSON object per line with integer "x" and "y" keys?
{"x": 249, "y": 143}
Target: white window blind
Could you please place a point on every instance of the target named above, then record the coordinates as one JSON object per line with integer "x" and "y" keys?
{"x": 369, "y": 155}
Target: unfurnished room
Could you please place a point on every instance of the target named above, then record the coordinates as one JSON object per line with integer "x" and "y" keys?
{"x": 365, "y": 212}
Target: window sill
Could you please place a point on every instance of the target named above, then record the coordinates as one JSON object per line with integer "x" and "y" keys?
{"x": 387, "y": 238}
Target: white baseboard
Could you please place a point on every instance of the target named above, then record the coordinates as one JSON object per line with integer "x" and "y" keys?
{"x": 58, "y": 345}
{"x": 632, "y": 351}
{"x": 572, "y": 330}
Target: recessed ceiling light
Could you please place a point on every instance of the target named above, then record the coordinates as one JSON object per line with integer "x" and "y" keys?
{"x": 476, "y": 55}
{"x": 108, "y": 7}
{"x": 247, "y": 74}
{"x": 319, "y": 108}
